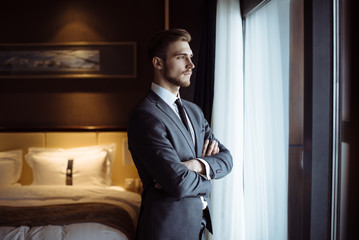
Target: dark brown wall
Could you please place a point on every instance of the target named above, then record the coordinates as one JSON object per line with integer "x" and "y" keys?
{"x": 311, "y": 119}
{"x": 69, "y": 102}
{"x": 190, "y": 18}
{"x": 350, "y": 76}
{"x": 296, "y": 118}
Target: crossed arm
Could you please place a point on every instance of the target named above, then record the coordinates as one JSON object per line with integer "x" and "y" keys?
{"x": 196, "y": 165}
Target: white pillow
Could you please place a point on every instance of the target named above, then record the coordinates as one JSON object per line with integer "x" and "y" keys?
{"x": 91, "y": 165}
{"x": 10, "y": 167}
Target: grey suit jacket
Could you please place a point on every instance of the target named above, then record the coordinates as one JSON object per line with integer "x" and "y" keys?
{"x": 159, "y": 142}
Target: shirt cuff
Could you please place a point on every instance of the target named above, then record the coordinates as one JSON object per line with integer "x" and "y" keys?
{"x": 208, "y": 170}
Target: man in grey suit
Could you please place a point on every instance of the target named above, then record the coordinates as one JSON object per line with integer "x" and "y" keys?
{"x": 173, "y": 148}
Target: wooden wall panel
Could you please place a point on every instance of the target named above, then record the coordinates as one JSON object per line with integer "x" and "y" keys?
{"x": 296, "y": 124}
{"x": 296, "y": 73}
{"x": 295, "y": 193}
{"x": 72, "y": 103}
{"x": 311, "y": 92}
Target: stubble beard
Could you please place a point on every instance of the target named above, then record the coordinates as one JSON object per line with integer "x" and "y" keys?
{"x": 176, "y": 80}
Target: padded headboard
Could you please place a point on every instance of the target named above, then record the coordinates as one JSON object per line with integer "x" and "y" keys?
{"x": 122, "y": 167}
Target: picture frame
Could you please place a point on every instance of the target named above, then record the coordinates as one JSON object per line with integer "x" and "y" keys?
{"x": 69, "y": 60}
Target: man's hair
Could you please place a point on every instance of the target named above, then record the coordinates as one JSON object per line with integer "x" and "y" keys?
{"x": 160, "y": 41}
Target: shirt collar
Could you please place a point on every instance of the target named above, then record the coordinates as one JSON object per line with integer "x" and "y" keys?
{"x": 163, "y": 93}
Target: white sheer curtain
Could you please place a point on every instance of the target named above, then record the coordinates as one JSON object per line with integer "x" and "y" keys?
{"x": 227, "y": 121}
{"x": 250, "y": 116}
{"x": 266, "y": 121}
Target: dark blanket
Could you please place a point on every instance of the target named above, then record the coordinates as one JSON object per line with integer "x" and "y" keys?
{"x": 108, "y": 214}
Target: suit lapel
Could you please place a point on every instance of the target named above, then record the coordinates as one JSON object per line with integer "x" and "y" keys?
{"x": 163, "y": 106}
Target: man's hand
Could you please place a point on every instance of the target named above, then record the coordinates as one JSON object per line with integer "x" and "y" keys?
{"x": 212, "y": 149}
{"x": 195, "y": 166}
{"x": 208, "y": 149}
{"x": 157, "y": 185}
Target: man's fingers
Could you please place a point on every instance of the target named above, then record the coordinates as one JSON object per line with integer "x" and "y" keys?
{"x": 205, "y": 147}
{"x": 211, "y": 147}
{"x": 215, "y": 148}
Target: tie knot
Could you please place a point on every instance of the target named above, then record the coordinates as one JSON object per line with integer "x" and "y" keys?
{"x": 179, "y": 102}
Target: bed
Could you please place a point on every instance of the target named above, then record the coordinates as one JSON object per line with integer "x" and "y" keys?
{"x": 67, "y": 185}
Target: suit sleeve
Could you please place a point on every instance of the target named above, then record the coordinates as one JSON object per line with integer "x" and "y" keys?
{"x": 220, "y": 164}
{"x": 154, "y": 154}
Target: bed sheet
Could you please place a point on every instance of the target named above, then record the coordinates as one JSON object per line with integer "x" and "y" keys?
{"x": 34, "y": 196}
{"x": 88, "y": 231}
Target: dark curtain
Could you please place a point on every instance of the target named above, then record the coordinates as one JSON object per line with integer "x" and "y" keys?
{"x": 203, "y": 95}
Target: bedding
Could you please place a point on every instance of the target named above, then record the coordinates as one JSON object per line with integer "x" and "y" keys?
{"x": 37, "y": 211}
{"x": 10, "y": 167}
{"x": 75, "y": 166}
{"x": 85, "y": 231}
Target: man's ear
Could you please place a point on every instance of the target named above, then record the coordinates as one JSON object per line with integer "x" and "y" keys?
{"x": 157, "y": 63}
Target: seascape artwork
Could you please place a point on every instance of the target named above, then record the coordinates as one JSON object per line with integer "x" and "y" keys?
{"x": 50, "y": 60}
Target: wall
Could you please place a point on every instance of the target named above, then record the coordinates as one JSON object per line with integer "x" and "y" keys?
{"x": 349, "y": 189}
{"x": 82, "y": 102}
{"x": 296, "y": 125}
{"x": 311, "y": 120}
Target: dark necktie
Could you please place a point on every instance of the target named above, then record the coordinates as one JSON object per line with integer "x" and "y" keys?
{"x": 182, "y": 114}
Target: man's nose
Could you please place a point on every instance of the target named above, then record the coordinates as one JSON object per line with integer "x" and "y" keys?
{"x": 190, "y": 64}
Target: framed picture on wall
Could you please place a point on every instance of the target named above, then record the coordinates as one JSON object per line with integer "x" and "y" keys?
{"x": 68, "y": 60}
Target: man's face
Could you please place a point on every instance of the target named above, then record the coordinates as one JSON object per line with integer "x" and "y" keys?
{"x": 178, "y": 65}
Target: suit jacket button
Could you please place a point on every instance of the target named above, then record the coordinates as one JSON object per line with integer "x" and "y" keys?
{"x": 218, "y": 171}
